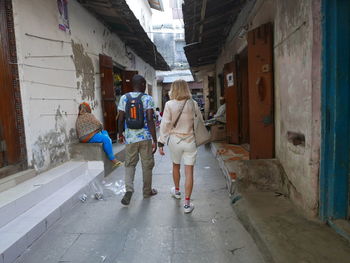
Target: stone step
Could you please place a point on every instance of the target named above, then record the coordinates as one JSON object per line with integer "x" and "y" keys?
{"x": 16, "y": 200}
{"x": 47, "y": 206}
{"x": 250, "y": 175}
{"x": 15, "y": 179}
{"x": 94, "y": 152}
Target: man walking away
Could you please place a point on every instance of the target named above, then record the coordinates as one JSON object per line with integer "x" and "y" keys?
{"x": 137, "y": 123}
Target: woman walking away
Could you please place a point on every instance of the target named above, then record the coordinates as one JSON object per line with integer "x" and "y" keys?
{"x": 176, "y": 129}
{"x": 90, "y": 130}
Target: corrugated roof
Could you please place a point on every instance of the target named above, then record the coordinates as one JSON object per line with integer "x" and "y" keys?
{"x": 118, "y": 17}
{"x": 207, "y": 25}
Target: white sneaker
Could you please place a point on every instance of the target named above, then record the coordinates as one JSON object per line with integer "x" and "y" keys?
{"x": 188, "y": 208}
{"x": 176, "y": 195}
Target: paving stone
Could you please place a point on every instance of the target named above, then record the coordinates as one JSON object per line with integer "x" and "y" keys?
{"x": 154, "y": 229}
{"x": 93, "y": 248}
{"x": 49, "y": 249}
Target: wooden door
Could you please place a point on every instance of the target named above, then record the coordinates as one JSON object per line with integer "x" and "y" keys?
{"x": 261, "y": 95}
{"x": 242, "y": 79}
{"x": 10, "y": 151}
{"x": 127, "y": 81}
{"x": 108, "y": 96}
{"x": 232, "y": 99}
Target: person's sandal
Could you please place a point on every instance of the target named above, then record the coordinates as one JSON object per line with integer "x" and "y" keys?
{"x": 152, "y": 193}
{"x": 117, "y": 164}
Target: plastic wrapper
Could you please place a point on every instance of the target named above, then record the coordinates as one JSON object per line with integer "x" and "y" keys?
{"x": 97, "y": 190}
{"x": 116, "y": 187}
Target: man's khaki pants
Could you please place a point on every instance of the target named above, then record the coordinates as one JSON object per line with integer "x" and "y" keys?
{"x": 132, "y": 151}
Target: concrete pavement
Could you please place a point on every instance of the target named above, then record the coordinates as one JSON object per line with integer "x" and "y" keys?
{"x": 151, "y": 230}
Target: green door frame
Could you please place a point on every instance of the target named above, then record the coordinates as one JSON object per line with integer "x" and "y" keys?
{"x": 335, "y": 98}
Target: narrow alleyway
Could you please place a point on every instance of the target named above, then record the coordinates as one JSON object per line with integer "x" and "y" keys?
{"x": 151, "y": 230}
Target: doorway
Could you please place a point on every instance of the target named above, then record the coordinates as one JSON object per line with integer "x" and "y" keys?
{"x": 335, "y": 100}
{"x": 243, "y": 89}
{"x": 115, "y": 82}
{"x": 237, "y": 100}
{"x": 261, "y": 92}
{"x": 12, "y": 138}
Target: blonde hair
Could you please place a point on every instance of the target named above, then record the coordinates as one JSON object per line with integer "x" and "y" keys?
{"x": 179, "y": 90}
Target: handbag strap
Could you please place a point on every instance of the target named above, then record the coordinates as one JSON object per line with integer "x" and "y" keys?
{"x": 194, "y": 113}
{"x": 178, "y": 117}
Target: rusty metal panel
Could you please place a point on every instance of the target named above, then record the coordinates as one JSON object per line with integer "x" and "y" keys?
{"x": 232, "y": 99}
{"x": 261, "y": 92}
{"x": 108, "y": 96}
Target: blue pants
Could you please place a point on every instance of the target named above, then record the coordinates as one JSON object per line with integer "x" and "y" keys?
{"x": 103, "y": 137}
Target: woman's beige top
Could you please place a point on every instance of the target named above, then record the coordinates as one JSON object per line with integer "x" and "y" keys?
{"x": 184, "y": 127}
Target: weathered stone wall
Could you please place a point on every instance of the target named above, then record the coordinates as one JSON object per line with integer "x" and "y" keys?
{"x": 297, "y": 95}
{"x": 59, "y": 70}
{"x": 297, "y": 55}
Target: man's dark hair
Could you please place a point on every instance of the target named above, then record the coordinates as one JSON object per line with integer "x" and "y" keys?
{"x": 138, "y": 83}
{"x": 157, "y": 109}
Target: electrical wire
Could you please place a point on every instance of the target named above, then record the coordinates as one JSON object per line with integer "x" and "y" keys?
{"x": 48, "y": 39}
{"x": 58, "y": 69}
{"x": 49, "y": 99}
{"x": 50, "y": 85}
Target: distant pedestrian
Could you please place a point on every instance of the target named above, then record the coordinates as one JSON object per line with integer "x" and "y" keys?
{"x": 137, "y": 129}
{"x": 90, "y": 130}
{"x": 176, "y": 130}
{"x": 158, "y": 117}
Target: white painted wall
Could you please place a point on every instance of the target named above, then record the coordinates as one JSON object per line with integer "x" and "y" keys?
{"x": 166, "y": 16}
{"x": 51, "y": 97}
{"x": 143, "y": 13}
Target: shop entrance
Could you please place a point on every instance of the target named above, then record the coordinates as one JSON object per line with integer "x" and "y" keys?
{"x": 114, "y": 83}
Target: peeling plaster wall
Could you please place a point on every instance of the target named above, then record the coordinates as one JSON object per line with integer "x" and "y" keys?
{"x": 55, "y": 76}
{"x": 297, "y": 55}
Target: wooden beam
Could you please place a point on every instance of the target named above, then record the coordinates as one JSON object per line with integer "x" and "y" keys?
{"x": 204, "y": 8}
{"x": 212, "y": 31}
{"x": 218, "y": 17}
{"x": 226, "y": 5}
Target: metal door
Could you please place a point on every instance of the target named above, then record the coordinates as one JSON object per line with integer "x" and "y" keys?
{"x": 232, "y": 100}
{"x": 10, "y": 151}
{"x": 126, "y": 82}
{"x": 108, "y": 96}
{"x": 261, "y": 95}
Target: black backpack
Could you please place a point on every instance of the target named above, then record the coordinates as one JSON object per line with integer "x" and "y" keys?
{"x": 134, "y": 114}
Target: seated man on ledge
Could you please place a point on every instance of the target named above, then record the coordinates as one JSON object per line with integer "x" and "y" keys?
{"x": 220, "y": 116}
{"x": 90, "y": 130}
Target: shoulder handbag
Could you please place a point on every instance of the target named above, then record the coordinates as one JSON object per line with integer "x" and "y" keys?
{"x": 201, "y": 134}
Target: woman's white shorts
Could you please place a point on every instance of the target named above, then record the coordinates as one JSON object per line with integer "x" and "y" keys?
{"x": 180, "y": 148}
